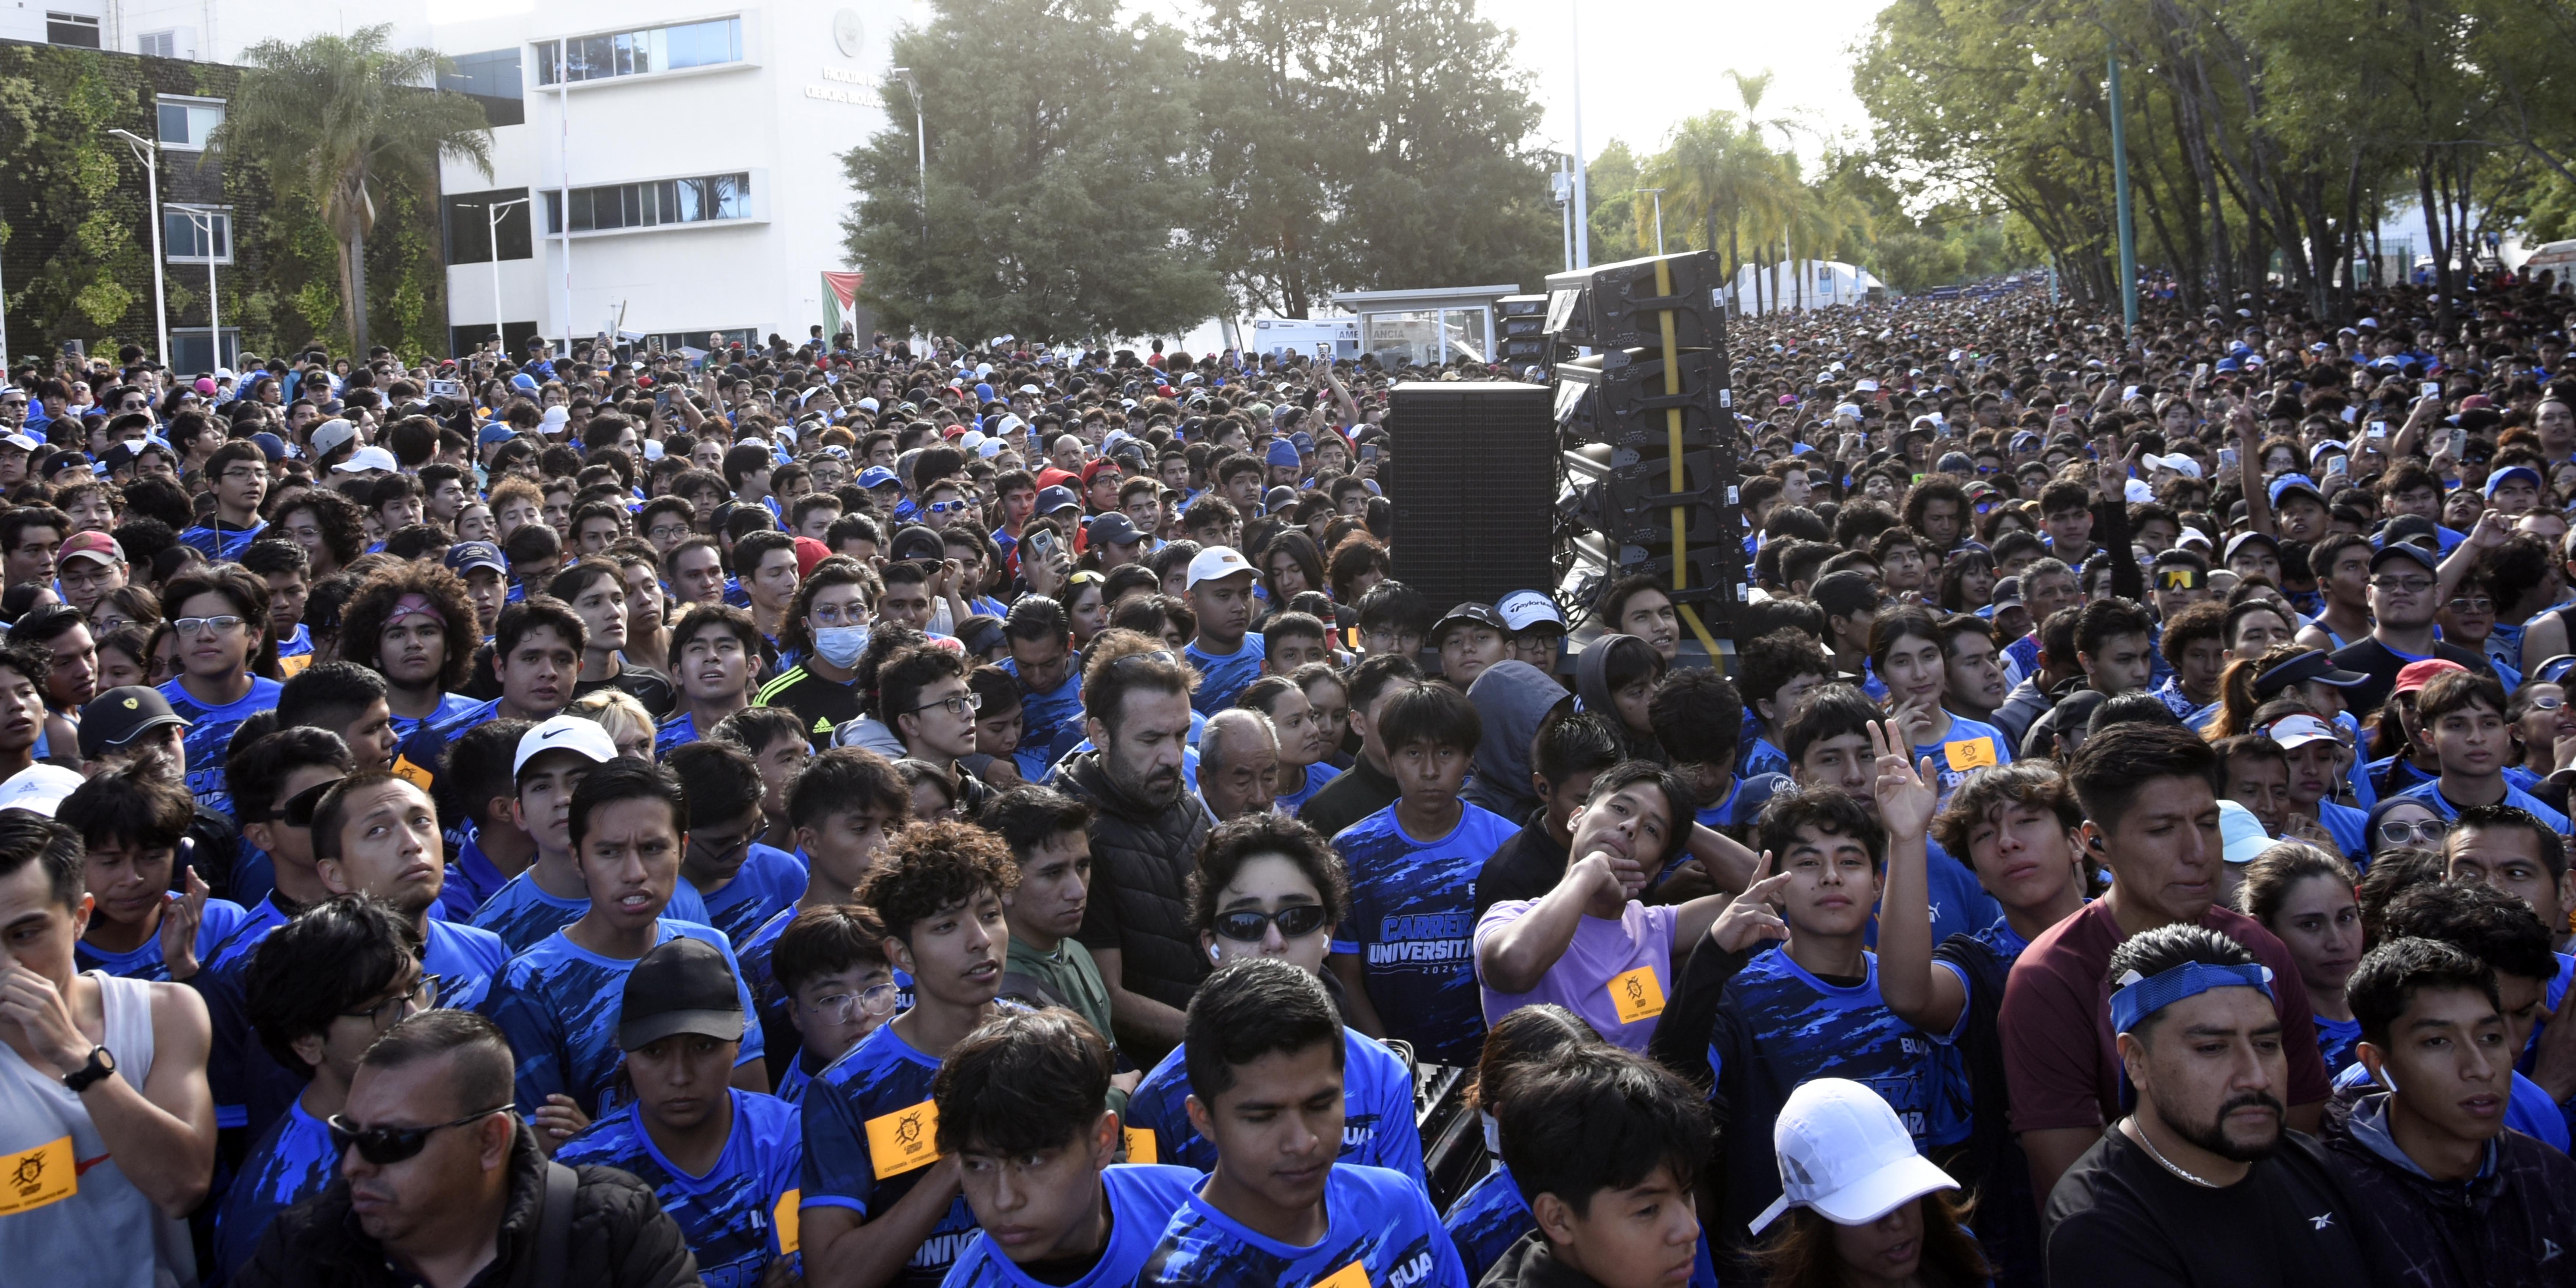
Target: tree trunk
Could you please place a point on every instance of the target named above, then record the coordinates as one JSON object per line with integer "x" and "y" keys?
{"x": 2441, "y": 250}
{"x": 353, "y": 290}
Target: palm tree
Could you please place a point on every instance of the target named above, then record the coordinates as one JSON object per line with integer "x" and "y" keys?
{"x": 1717, "y": 175}
{"x": 332, "y": 113}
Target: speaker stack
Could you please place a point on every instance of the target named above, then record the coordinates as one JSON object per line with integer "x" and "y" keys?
{"x": 1472, "y": 476}
{"x": 1523, "y": 320}
{"x": 1649, "y": 443}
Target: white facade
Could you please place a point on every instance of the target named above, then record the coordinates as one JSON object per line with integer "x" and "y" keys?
{"x": 1809, "y": 283}
{"x": 738, "y": 111}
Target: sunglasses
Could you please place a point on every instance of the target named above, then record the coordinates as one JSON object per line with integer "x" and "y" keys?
{"x": 383, "y": 1146}
{"x": 948, "y": 507}
{"x": 2426, "y": 832}
{"x": 1295, "y": 922}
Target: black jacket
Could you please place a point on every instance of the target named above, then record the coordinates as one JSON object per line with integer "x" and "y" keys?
{"x": 1529, "y": 1264}
{"x": 621, "y": 1238}
{"x": 1141, "y": 861}
{"x": 2514, "y": 1223}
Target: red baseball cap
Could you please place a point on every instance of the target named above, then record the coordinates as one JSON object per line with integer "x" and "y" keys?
{"x": 2415, "y": 675}
{"x": 809, "y": 552}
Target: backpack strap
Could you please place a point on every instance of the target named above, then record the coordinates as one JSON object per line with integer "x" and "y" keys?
{"x": 554, "y": 1229}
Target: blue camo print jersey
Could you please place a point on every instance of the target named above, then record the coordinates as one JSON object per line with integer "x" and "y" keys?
{"x": 880, "y": 1080}
{"x": 1778, "y": 1026}
{"x": 1042, "y": 717}
{"x": 292, "y": 1163}
{"x": 558, "y": 1004}
{"x": 523, "y": 914}
{"x": 1412, "y": 923}
{"x": 770, "y": 879}
{"x": 1142, "y": 1199}
{"x": 1378, "y": 1126}
{"x": 210, "y": 735}
{"x": 731, "y": 1216}
{"x": 1222, "y": 676}
{"x": 1375, "y": 1219}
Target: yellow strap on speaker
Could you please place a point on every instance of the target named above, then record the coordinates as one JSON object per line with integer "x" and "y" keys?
{"x": 1673, "y": 434}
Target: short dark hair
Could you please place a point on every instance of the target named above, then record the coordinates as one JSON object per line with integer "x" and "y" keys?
{"x": 328, "y": 695}
{"x": 257, "y": 770}
{"x": 1249, "y": 1008}
{"x": 2391, "y": 974}
{"x": 1435, "y": 714}
{"x": 935, "y": 866}
{"x": 757, "y": 729}
{"x": 270, "y": 556}
{"x": 1266, "y": 834}
{"x": 697, "y": 619}
{"x": 1369, "y": 680}
{"x": 1601, "y": 1118}
{"x": 1697, "y": 717}
{"x": 2024, "y": 782}
{"x": 479, "y": 769}
{"x": 1575, "y": 742}
{"x": 2113, "y": 766}
{"x": 718, "y": 779}
{"x": 27, "y": 837}
{"x": 1825, "y": 809}
{"x": 2487, "y": 923}
{"x": 627, "y": 779}
{"x": 576, "y": 578}
{"x": 331, "y": 957}
{"x": 1036, "y": 618}
{"x": 2456, "y": 691}
{"x": 138, "y": 803}
{"x": 2552, "y": 847}
{"x": 909, "y": 674}
{"x": 1028, "y": 817}
{"x": 1023, "y": 1081}
{"x": 2105, "y": 619}
{"x": 825, "y": 941}
{"x": 844, "y": 779}
{"x": 536, "y": 612}
{"x": 1827, "y": 711}
{"x": 2153, "y": 952}
{"x": 1105, "y": 690}
{"x": 484, "y": 1070}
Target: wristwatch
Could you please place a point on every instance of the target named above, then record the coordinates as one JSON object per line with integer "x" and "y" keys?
{"x": 102, "y": 1062}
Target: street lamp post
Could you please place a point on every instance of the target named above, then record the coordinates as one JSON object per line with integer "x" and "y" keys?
{"x": 921, "y": 142}
{"x": 148, "y": 152}
{"x": 1582, "y": 199}
{"x": 492, "y": 227}
{"x": 1658, "y": 195}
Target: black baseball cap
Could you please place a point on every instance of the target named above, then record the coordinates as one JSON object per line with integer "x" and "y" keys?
{"x": 2406, "y": 549}
{"x": 1470, "y": 613}
{"x": 682, "y": 986}
{"x": 119, "y": 716}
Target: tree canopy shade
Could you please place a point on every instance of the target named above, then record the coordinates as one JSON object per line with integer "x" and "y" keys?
{"x": 1064, "y": 161}
{"x": 331, "y": 116}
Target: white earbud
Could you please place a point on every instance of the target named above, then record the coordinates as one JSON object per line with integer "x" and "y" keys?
{"x": 1214, "y": 955}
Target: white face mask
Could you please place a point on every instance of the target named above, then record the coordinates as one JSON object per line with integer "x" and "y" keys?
{"x": 840, "y": 645}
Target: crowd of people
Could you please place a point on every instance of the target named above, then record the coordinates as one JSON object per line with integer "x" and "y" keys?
{"x": 916, "y": 812}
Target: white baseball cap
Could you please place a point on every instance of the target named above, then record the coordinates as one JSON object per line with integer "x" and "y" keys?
{"x": 38, "y": 789}
{"x": 1215, "y": 563}
{"x": 2136, "y": 492}
{"x": 1844, "y": 1154}
{"x": 1523, "y": 609}
{"x": 565, "y": 733}
{"x": 2240, "y": 833}
{"x": 554, "y": 420}
{"x": 2300, "y": 730}
{"x": 2178, "y": 463}
{"x": 368, "y": 458}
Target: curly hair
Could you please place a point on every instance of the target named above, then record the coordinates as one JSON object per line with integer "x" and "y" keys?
{"x": 342, "y": 523}
{"x": 1265, "y": 835}
{"x": 362, "y": 619}
{"x": 931, "y": 867}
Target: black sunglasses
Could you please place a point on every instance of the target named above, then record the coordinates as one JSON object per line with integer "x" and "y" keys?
{"x": 383, "y": 1146}
{"x": 1295, "y": 922}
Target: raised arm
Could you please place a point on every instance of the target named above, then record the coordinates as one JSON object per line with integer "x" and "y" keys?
{"x": 2249, "y": 467}
{"x": 1519, "y": 953}
{"x": 1925, "y": 997}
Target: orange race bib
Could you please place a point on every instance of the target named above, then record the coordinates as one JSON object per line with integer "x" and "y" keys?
{"x": 413, "y": 774}
{"x": 1354, "y": 1275}
{"x": 1975, "y": 753}
{"x": 903, "y": 1140}
{"x": 1637, "y": 995}
{"x": 40, "y": 1176}
{"x": 783, "y": 1219}
{"x": 1140, "y": 1144}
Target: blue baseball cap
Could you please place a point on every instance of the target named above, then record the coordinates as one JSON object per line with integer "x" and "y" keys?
{"x": 270, "y": 446}
{"x": 1282, "y": 452}
{"x": 877, "y": 476}
{"x": 2288, "y": 483}
{"x": 2497, "y": 479}
{"x": 1058, "y": 497}
{"x": 495, "y": 434}
{"x": 466, "y": 555}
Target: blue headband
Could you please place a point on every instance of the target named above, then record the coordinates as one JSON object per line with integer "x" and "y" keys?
{"x": 2139, "y": 997}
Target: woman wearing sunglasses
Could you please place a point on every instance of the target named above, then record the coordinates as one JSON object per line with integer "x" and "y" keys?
{"x": 2402, "y": 822}
{"x": 1269, "y": 886}
{"x": 2540, "y": 718}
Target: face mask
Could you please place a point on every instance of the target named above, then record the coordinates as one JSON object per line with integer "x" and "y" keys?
{"x": 840, "y": 645}
{"x": 1493, "y": 1135}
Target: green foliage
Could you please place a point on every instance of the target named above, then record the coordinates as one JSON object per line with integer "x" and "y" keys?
{"x": 1061, "y": 165}
{"x": 75, "y": 248}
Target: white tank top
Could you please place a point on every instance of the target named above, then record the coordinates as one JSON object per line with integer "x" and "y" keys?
{"x": 68, "y": 1216}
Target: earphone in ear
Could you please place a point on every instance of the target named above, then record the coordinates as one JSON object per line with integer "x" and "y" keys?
{"x": 2389, "y": 1078}
{"x": 2093, "y": 841}
{"x": 1213, "y": 954}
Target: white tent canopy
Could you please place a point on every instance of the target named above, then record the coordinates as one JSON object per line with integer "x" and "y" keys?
{"x": 1808, "y": 282}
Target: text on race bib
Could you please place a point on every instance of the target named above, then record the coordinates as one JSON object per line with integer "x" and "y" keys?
{"x": 1637, "y": 995}
{"x": 903, "y": 1140}
{"x": 40, "y": 1176}
{"x": 1975, "y": 753}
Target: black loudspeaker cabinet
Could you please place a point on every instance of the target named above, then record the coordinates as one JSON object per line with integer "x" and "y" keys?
{"x": 1616, "y": 306}
{"x": 1473, "y": 482}
{"x": 1617, "y": 397}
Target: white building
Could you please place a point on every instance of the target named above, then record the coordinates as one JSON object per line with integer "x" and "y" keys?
{"x": 697, "y": 144}
{"x": 1807, "y": 283}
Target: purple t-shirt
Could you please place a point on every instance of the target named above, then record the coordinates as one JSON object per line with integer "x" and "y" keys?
{"x": 1590, "y": 979}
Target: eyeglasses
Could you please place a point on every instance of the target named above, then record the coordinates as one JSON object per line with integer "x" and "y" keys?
{"x": 841, "y": 1008}
{"x": 2472, "y": 604}
{"x": 2425, "y": 832}
{"x": 1295, "y": 921}
{"x": 959, "y": 705}
{"x": 205, "y": 625}
{"x": 423, "y": 995}
{"x": 948, "y": 507}
{"x": 719, "y": 853}
{"x": 384, "y": 1146}
{"x": 666, "y": 531}
{"x": 2403, "y": 585}
{"x": 2545, "y": 702}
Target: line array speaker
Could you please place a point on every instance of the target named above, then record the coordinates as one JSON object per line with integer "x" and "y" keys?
{"x": 1473, "y": 481}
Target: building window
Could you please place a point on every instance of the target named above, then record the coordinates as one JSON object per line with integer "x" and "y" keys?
{"x": 470, "y": 228}
{"x": 641, "y": 53}
{"x": 187, "y": 122}
{"x": 72, "y": 29}
{"x": 493, "y": 78}
{"x": 186, "y": 232}
{"x": 189, "y": 351}
{"x": 174, "y": 43}
{"x": 652, "y": 205}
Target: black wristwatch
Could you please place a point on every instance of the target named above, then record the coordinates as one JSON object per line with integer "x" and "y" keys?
{"x": 102, "y": 1062}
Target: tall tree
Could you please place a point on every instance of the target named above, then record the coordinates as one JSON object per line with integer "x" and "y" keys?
{"x": 1065, "y": 161}
{"x": 332, "y": 115}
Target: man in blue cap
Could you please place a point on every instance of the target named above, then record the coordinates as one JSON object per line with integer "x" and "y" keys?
{"x": 2513, "y": 490}
{"x": 1284, "y": 464}
{"x": 487, "y": 579}
{"x": 2405, "y": 584}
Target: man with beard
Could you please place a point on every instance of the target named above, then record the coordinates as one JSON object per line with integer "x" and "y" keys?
{"x": 1144, "y": 845}
{"x": 2204, "y": 1183}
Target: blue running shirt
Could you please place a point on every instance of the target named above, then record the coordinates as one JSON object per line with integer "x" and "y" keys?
{"x": 1376, "y": 1220}
{"x": 210, "y": 735}
{"x": 768, "y": 880}
{"x": 292, "y": 1163}
{"x": 880, "y": 1091}
{"x": 1223, "y": 675}
{"x": 558, "y": 1003}
{"x": 1413, "y": 924}
{"x": 1141, "y": 1202}
{"x": 217, "y": 923}
{"x": 523, "y": 914}
{"x": 1378, "y": 1126}
{"x": 734, "y": 1216}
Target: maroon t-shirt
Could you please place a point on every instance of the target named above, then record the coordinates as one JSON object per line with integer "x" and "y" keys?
{"x": 2061, "y": 987}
